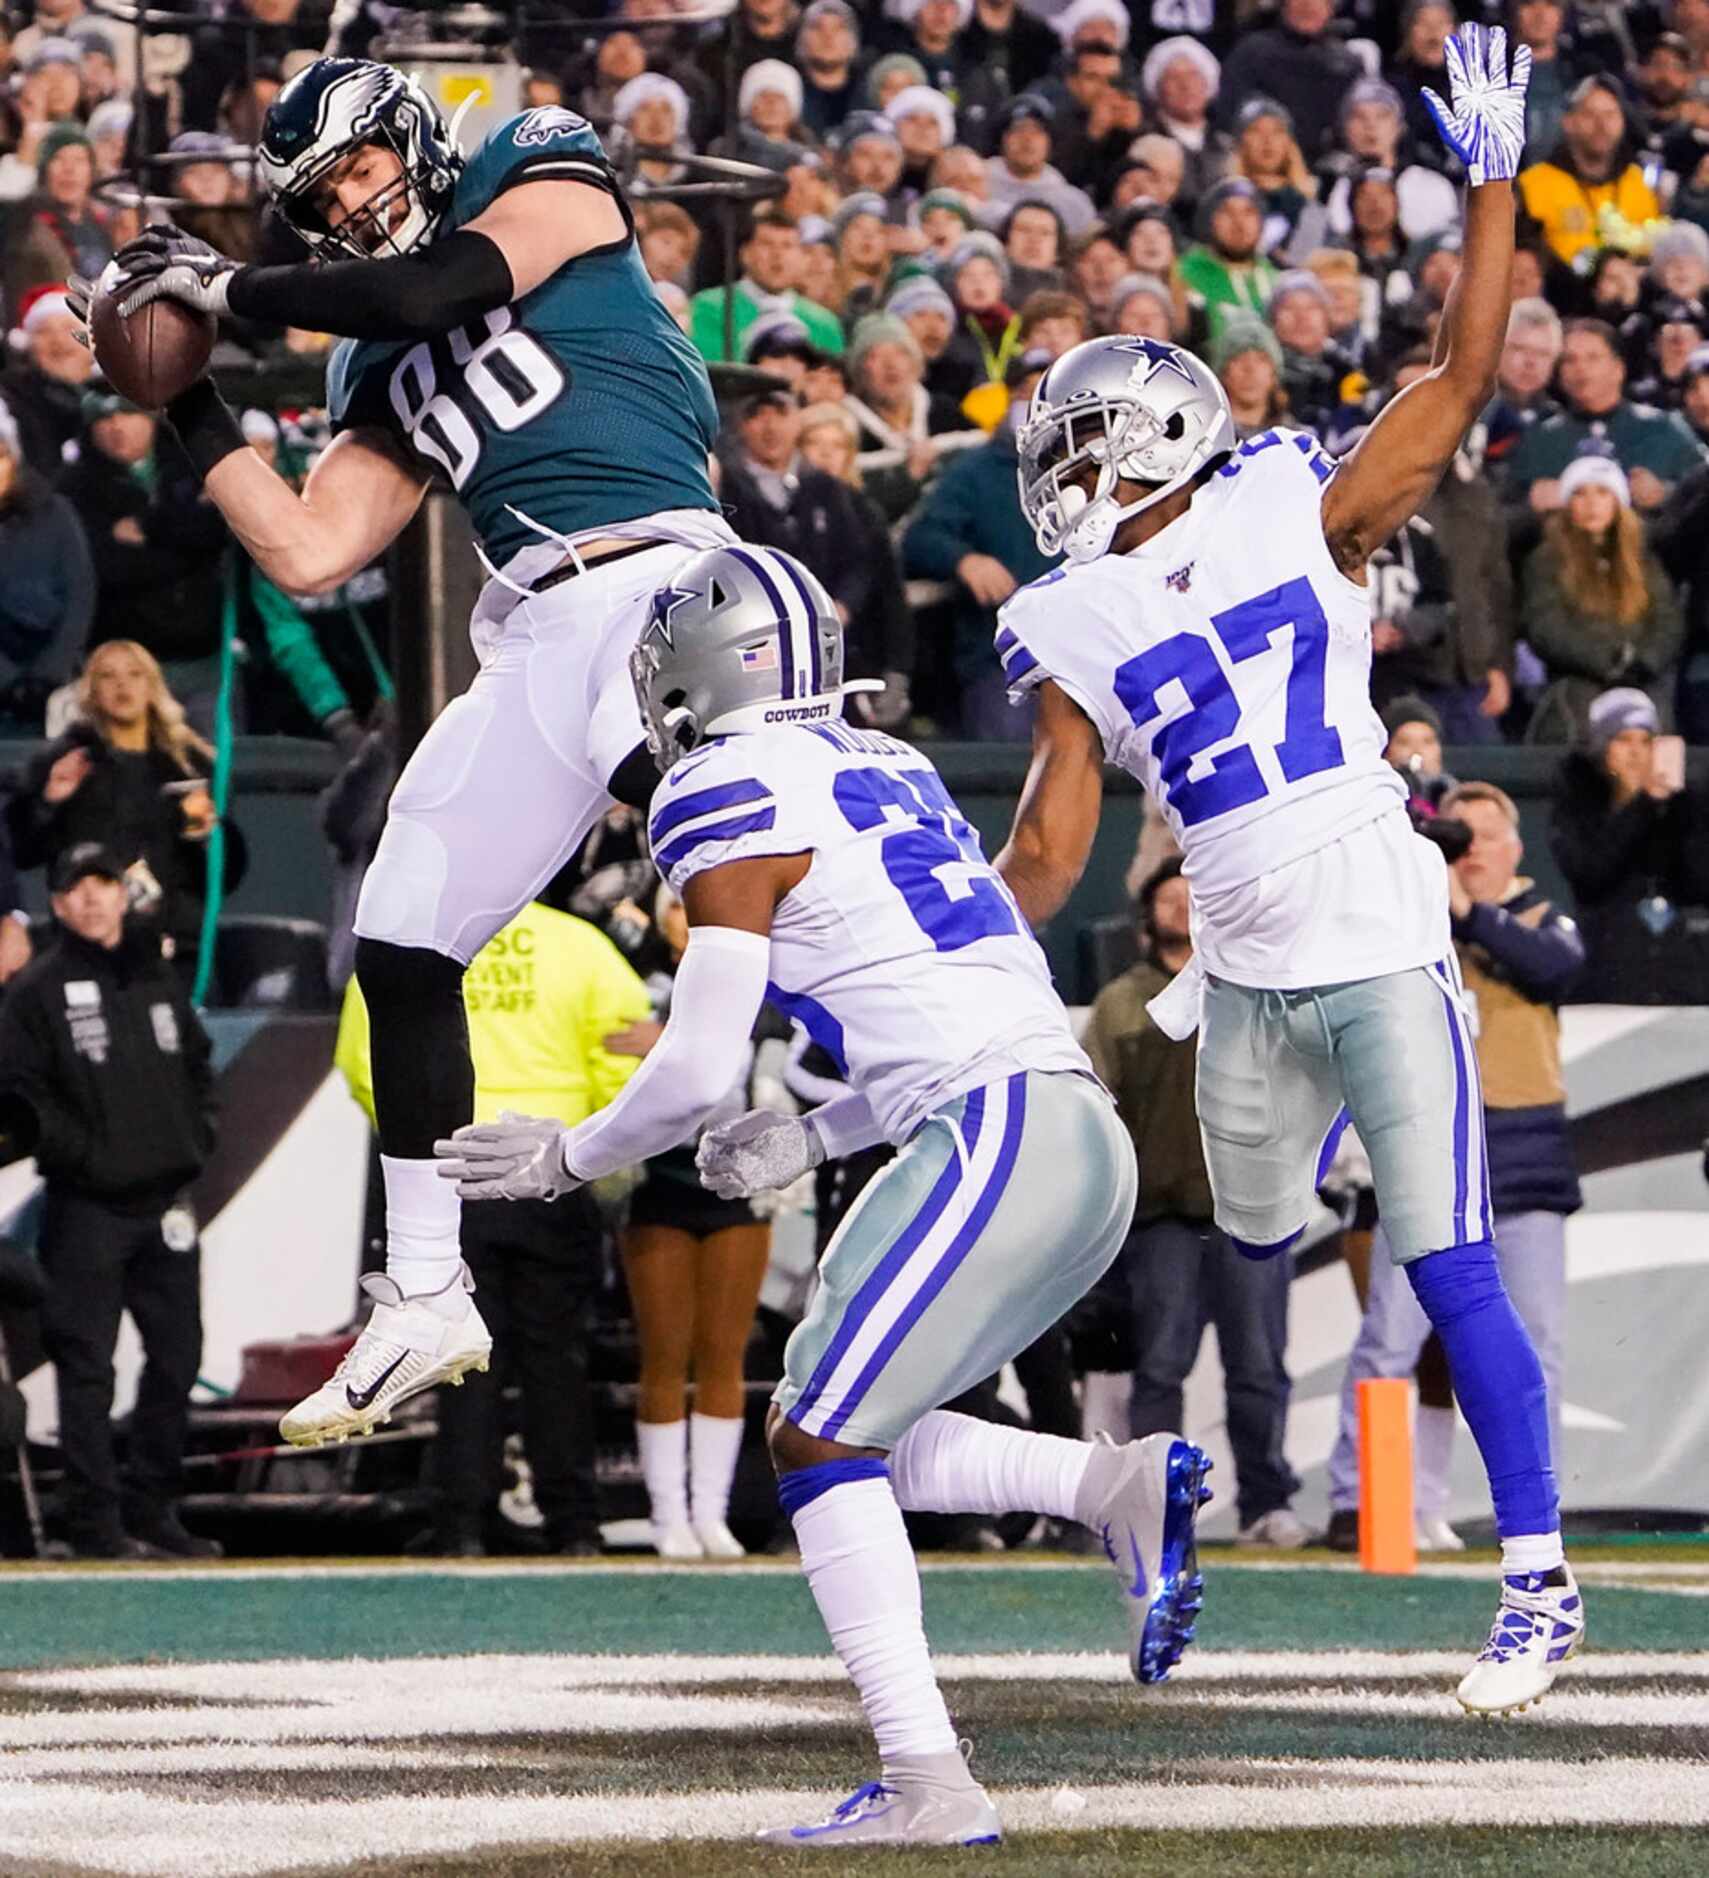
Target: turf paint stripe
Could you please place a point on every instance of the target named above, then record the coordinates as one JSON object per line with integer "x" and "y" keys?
{"x": 145, "y": 1834}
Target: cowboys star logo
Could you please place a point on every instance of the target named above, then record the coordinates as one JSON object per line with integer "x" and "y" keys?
{"x": 665, "y": 604}
{"x": 1162, "y": 358}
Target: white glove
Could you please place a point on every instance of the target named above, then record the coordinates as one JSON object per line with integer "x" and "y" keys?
{"x": 755, "y": 1153}
{"x": 514, "y": 1158}
{"x": 1485, "y": 127}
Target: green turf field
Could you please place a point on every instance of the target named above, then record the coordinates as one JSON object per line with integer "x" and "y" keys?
{"x": 537, "y": 1722}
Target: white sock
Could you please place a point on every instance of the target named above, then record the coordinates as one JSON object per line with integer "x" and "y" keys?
{"x": 664, "y": 1467}
{"x": 861, "y": 1571}
{"x": 1432, "y": 1458}
{"x": 1531, "y": 1552}
{"x": 424, "y": 1220}
{"x": 951, "y": 1463}
{"x": 714, "y": 1443}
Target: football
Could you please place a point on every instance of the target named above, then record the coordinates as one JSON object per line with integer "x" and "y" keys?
{"x": 161, "y": 350}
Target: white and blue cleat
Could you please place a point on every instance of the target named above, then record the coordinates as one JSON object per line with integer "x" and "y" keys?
{"x": 1146, "y": 1523}
{"x": 902, "y": 1809}
{"x": 1537, "y": 1632}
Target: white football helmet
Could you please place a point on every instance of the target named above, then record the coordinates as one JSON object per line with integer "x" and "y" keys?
{"x": 1138, "y": 409}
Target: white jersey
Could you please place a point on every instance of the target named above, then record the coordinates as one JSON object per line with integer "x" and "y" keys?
{"x": 901, "y": 953}
{"x": 1226, "y": 664}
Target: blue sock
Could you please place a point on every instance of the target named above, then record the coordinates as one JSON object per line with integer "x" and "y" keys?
{"x": 1498, "y": 1381}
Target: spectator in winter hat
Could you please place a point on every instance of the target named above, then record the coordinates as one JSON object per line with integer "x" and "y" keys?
{"x": 1179, "y": 81}
{"x": 1298, "y": 63}
{"x": 862, "y": 235}
{"x": 1246, "y": 356}
{"x": 1266, "y": 154}
{"x": 58, "y": 231}
{"x": 1679, "y": 261}
{"x": 1374, "y": 136}
{"x": 925, "y": 127}
{"x": 1033, "y": 241}
{"x": 945, "y": 217}
{"x": 929, "y": 314}
{"x": 869, "y": 155}
{"x": 1522, "y": 378}
{"x": 654, "y": 110}
{"x": 1597, "y": 608}
{"x": 1421, "y": 61}
{"x": 1022, "y": 165}
{"x": 1225, "y": 267}
{"x": 987, "y": 329}
{"x": 1142, "y": 304}
{"x": 44, "y": 390}
{"x": 895, "y": 72}
{"x": 827, "y": 51}
{"x": 1313, "y": 366}
{"x": 109, "y": 131}
{"x": 770, "y": 99}
{"x": 1093, "y": 23}
{"x": 900, "y": 420}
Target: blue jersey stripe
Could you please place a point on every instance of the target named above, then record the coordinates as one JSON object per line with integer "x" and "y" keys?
{"x": 813, "y": 1018}
{"x": 727, "y": 830}
{"x": 706, "y": 802}
{"x": 1018, "y": 663}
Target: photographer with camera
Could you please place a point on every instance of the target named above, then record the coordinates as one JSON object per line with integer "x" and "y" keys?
{"x": 106, "y": 1078}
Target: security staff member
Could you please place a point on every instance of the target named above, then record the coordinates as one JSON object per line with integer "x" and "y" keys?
{"x": 542, "y": 996}
{"x": 105, "y": 1077}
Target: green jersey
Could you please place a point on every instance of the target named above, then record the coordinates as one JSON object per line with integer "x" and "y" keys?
{"x": 578, "y": 405}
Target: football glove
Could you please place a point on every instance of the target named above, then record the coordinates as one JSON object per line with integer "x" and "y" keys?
{"x": 165, "y": 263}
{"x": 1485, "y": 125}
{"x": 755, "y": 1153}
{"x": 514, "y": 1158}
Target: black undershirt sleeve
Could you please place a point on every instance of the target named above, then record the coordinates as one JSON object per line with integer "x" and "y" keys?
{"x": 407, "y": 296}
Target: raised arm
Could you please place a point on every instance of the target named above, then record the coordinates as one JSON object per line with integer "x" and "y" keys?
{"x": 1057, "y": 817}
{"x": 1402, "y": 457}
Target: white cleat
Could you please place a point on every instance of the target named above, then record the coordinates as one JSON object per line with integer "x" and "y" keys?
{"x": 717, "y": 1540}
{"x": 1146, "y": 1523}
{"x": 1537, "y": 1630}
{"x": 405, "y": 1347}
{"x": 1436, "y": 1535}
{"x": 930, "y": 1803}
{"x": 677, "y": 1542}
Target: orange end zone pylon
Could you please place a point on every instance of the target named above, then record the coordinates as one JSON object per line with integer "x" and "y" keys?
{"x": 1387, "y": 1536}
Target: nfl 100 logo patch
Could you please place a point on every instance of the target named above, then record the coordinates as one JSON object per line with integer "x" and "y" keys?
{"x": 1180, "y": 580}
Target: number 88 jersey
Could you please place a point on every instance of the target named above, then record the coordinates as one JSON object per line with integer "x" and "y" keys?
{"x": 579, "y": 405}
{"x": 1226, "y": 665}
{"x": 901, "y": 953}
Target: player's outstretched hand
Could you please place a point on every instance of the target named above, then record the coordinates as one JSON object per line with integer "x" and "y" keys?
{"x": 1485, "y": 124}
{"x": 755, "y": 1153}
{"x": 514, "y": 1158}
{"x": 165, "y": 263}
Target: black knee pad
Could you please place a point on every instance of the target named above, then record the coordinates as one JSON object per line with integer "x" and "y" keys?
{"x": 411, "y": 976}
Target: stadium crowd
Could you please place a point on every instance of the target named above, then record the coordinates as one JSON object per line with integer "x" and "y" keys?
{"x": 965, "y": 189}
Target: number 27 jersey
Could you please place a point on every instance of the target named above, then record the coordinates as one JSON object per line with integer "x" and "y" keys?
{"x": 901, "y": 953}
{"x": 1226, "y": 665}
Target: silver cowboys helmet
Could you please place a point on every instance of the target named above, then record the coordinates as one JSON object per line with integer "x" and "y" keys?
{"x": 1136, "y": 409}
{"x": 741, "y": 639}
{"x": 334, "y": 107}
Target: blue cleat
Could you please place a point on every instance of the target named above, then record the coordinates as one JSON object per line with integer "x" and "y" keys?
{"x": 1146, "y": 1523}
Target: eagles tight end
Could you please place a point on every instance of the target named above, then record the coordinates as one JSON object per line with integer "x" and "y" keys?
{"x": 1235, "y": 686}
{"x": 500, "y": 336}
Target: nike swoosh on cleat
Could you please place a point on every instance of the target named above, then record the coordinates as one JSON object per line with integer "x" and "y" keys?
{"x": 364, "y": 1398}
{"x": 1137, "y": 1588}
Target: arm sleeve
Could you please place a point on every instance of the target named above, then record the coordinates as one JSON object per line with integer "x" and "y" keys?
{"x": 407, "y": 296}
{"x": 720, "y": 986}
{"x": 1541, "y": 960}
{"x": 845, "y": 1126}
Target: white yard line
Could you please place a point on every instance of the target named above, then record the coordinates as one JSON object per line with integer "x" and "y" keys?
{"x": 145, "y": 1834}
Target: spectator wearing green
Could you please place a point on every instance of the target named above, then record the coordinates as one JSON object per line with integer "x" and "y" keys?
{"x": 1655, "y": 448}
{"x": 771, "y": 267}
{"x": 1224, "y": 267}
